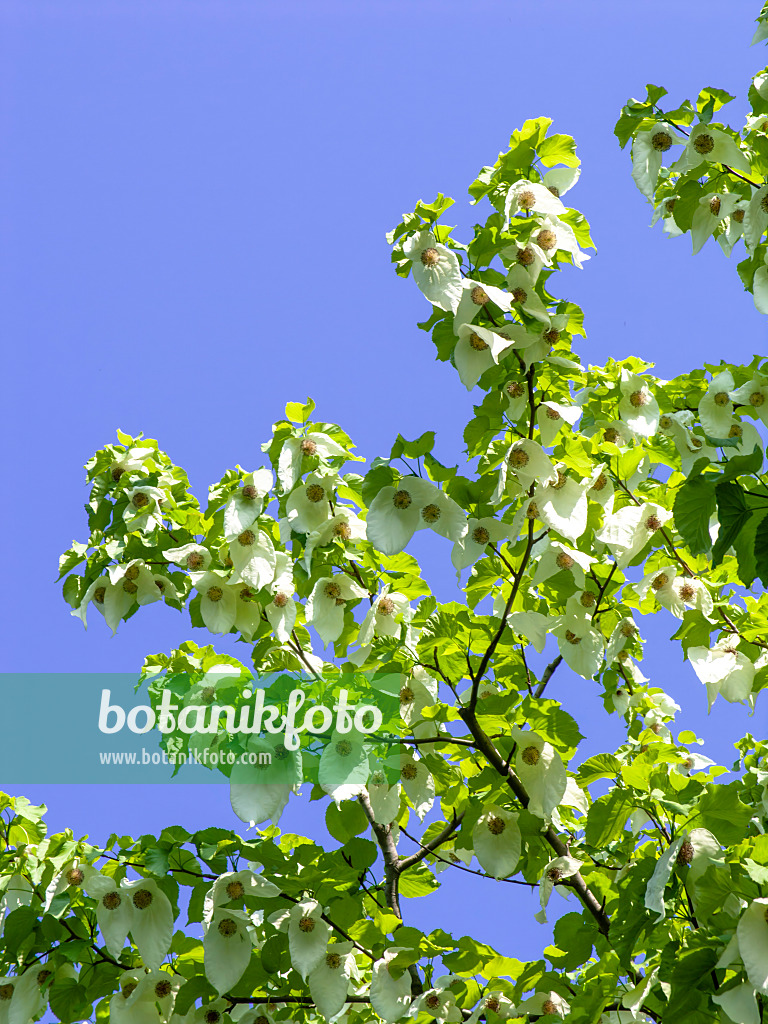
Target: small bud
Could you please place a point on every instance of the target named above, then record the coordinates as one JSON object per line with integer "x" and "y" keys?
{"x": 685, "y": 853}
{"x": 704, "y": 144}
{"x": 480, "y": 535}
{"x": 639, "y": 398}
{"x": 477, "y": 343}
{"x": 430, "y": 514}
{"x": 315, "y": 493}
{"x": 546, "y": 240}
{"x": 342, "y": 531}
{"x": 142, "y": 899}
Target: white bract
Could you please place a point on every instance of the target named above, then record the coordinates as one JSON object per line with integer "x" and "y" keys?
{"x": 396, "y": 513}
{"x": 711, "y": 145}
{"x": 477, "y": 350}
{"x": 541, "y": 770}
{"x": 627, "y": 531}
{"x": 325, "y": 605}
{"x": 244, "y": 507}
{"x": 329, "y": 981}
{"x": 554, "y": 872}
{"x": 712, "y": 210}
{"x": 715, "y": 407}
{"x": 638, "y": 408}
{"x": 754, "y": 397}
{"x": 311, "y": 444}
{"x": 476, "y": 296}
{"x": 496, "y": 841}
{"x": 435, "y": 270}
{"x": 724, "y": 670}
{"x": 648, "y": 149}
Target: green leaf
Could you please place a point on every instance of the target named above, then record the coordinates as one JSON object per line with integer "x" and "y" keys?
{"x": 761, "y": 550}
{"x": 732, "y": 513}
{"x": 600, "y": 766}
{"x": 68, "y": 1000}
{"x": 418, "y": 881}
{"x": 298, "y": 413}
{"x": 18, "y": 925}
{"x": 723, "y": 813}
{"x": 744, "y": 465}
{"x": 345, "y": 820}
{"x": 694, "y": 504}
{"x": 156, "y": 861}
{"x": 607, "y": 817}
{"x": 558, "y": 149}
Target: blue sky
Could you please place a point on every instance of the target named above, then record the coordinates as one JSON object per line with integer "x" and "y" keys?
{"x": 194, "y": 202}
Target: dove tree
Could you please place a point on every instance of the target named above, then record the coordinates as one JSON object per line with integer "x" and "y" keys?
{"x": 587, "y": 500}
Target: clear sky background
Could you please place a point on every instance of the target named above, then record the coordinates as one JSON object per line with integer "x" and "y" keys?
{"x": 193, "y": 201}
